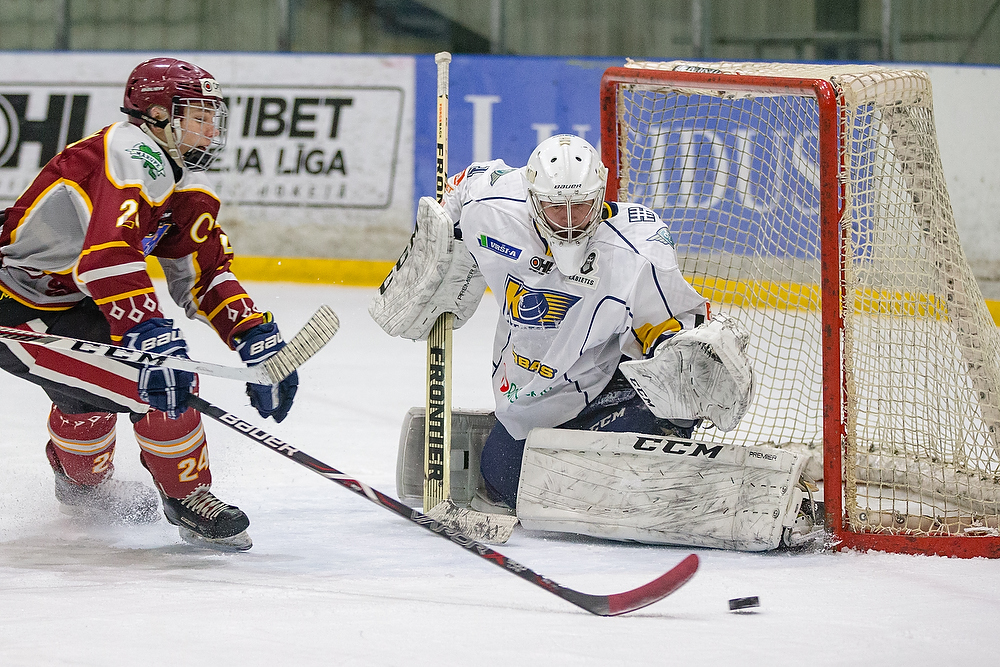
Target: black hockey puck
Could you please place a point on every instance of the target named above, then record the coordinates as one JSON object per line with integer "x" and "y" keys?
{"x": 744, "y": 603}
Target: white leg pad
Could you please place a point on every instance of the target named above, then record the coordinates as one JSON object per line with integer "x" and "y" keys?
{"x": 657, "y": 490}
{"x": 469, "y": 429}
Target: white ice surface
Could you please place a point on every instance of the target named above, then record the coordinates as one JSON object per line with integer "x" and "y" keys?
{"x": 333, "y": 579}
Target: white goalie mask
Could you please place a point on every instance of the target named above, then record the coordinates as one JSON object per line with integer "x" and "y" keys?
{"x": 566, "y": 182}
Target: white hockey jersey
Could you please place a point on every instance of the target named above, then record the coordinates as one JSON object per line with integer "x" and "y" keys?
{"x": 559, "y": 339}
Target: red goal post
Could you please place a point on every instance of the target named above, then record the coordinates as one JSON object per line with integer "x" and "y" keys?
{"x": 809, "y": 202}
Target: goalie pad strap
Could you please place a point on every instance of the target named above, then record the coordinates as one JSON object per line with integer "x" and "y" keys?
{"x": 435, "y": 274}
{"x": 657, "y": 490}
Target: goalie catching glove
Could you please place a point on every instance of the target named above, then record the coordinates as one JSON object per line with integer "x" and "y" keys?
{"x": 435, "y": 274}
{"x": 254, "y": 346}
{"x": 703, "y": 373}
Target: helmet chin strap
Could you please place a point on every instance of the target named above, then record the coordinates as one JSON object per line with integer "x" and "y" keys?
{"x": 169, "y": 143}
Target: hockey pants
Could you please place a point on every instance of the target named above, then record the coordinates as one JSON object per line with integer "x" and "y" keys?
{"x": 617, "y": 409}
{"x": 87, "y": 393}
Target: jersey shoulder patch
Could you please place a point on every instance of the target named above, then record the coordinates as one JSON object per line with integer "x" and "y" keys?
{"x": 135, "y": 160}
{"x": 635, "y": 213}
{"x": 642, "y": 230}
{"x": 488, "y": 179}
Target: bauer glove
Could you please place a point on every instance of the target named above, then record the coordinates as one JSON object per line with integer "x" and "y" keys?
{"x": 255, "y": 346}
{"x": 165, "y": 389}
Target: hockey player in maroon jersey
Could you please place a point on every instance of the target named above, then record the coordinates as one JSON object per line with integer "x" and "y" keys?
{"x": 73, "y": 251}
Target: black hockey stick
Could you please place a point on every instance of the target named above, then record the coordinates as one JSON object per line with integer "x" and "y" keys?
{"x": 602, "y": 605}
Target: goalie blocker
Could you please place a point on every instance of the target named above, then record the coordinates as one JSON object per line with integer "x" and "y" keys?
{"x": 435, "y": 274}
{"x": 627, "y": 486}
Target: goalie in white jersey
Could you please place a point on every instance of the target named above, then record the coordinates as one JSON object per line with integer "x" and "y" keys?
{"x": 583, "y": 286}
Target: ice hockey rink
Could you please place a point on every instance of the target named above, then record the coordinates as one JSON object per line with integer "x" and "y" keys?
{"x": 336, "y": 580}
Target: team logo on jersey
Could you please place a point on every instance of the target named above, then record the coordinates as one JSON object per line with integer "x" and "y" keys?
{"x": 512, "y": 392}
{"x": 149, "y": 242}
{"x": 499, "y": 247}
{"x": 584, "y": 281}
{"x": 453, "y": 182}
{"x": 150, "y": 158}
{"x": 541, "y": 265}
{"x": 640, "y": 214}
{"x": 497, "y": 174}
{"x": 533, "y": 365}
{"x": 537, "y": 309}
{"x": 663, "y": 236}
{"x": 583, "y": 278}
{"x": 478, "y": 169}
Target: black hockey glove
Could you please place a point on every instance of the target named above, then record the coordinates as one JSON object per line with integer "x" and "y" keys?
{"x": 255, "y": 346}
{"x": 165, "y": 389}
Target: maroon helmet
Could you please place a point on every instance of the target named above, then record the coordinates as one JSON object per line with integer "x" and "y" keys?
{"x": 175, "y": 87}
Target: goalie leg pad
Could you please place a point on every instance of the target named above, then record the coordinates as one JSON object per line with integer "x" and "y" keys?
{"x": 657, "y": 490}
{"x": 435, "y": 274}
{"x": 469, "y": 429}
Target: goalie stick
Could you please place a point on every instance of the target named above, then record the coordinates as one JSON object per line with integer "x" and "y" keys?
{"x": 437, "y": 428}
{"x": 601, "y": 605}
{"x": 308, "y": 341}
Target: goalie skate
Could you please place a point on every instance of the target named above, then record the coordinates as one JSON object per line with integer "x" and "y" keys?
{"x": 204, "y": 520}
{"x": 809, "y": 530}
{"x": 112, "y": 501}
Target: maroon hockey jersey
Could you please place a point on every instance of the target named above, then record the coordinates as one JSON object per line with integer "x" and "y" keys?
{"x": 86, "y": 224}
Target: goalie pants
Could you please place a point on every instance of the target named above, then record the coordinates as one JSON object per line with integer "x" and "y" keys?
{"x": 87, "y": 393}
{"x": 617, "y": 409}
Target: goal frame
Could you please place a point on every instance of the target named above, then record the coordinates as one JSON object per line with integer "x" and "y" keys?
{"x": 832, "y": 252}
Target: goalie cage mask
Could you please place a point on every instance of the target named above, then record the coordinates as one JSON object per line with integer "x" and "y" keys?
{"x": 566, "y": 194}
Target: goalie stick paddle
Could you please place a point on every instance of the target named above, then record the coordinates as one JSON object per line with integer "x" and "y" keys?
{"x": 316, "y": 333}
{"x": 601, "y": 605}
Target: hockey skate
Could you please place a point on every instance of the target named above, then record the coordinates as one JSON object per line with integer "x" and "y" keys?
{"x": 112, "y": 501}
{"x": 482, "y": 502}
{"x": 206, "y": 521}
{"x": 809, "y": 529}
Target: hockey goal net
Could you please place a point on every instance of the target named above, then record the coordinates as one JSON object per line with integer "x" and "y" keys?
{"x": 809, "y": 202}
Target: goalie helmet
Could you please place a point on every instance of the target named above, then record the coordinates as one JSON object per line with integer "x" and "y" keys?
{"x": 185, "y": 102}
{"x": 566, "y": 182}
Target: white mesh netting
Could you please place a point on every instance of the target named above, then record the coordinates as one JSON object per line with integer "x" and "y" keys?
{"x": 734, "y": 173}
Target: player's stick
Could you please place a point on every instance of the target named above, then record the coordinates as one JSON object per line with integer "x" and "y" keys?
{"x": 308, "y": 341}
{"x": 437, "y": 431}
{"x": 601, "y": 605}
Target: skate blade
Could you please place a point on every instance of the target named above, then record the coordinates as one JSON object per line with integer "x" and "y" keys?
{"x": 238, "y": 542}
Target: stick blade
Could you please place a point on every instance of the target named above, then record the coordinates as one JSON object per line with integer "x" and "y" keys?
{"x": 316, "y": 333}
{"x": 480, "y": 526}
{"x": 637, "y": 598}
